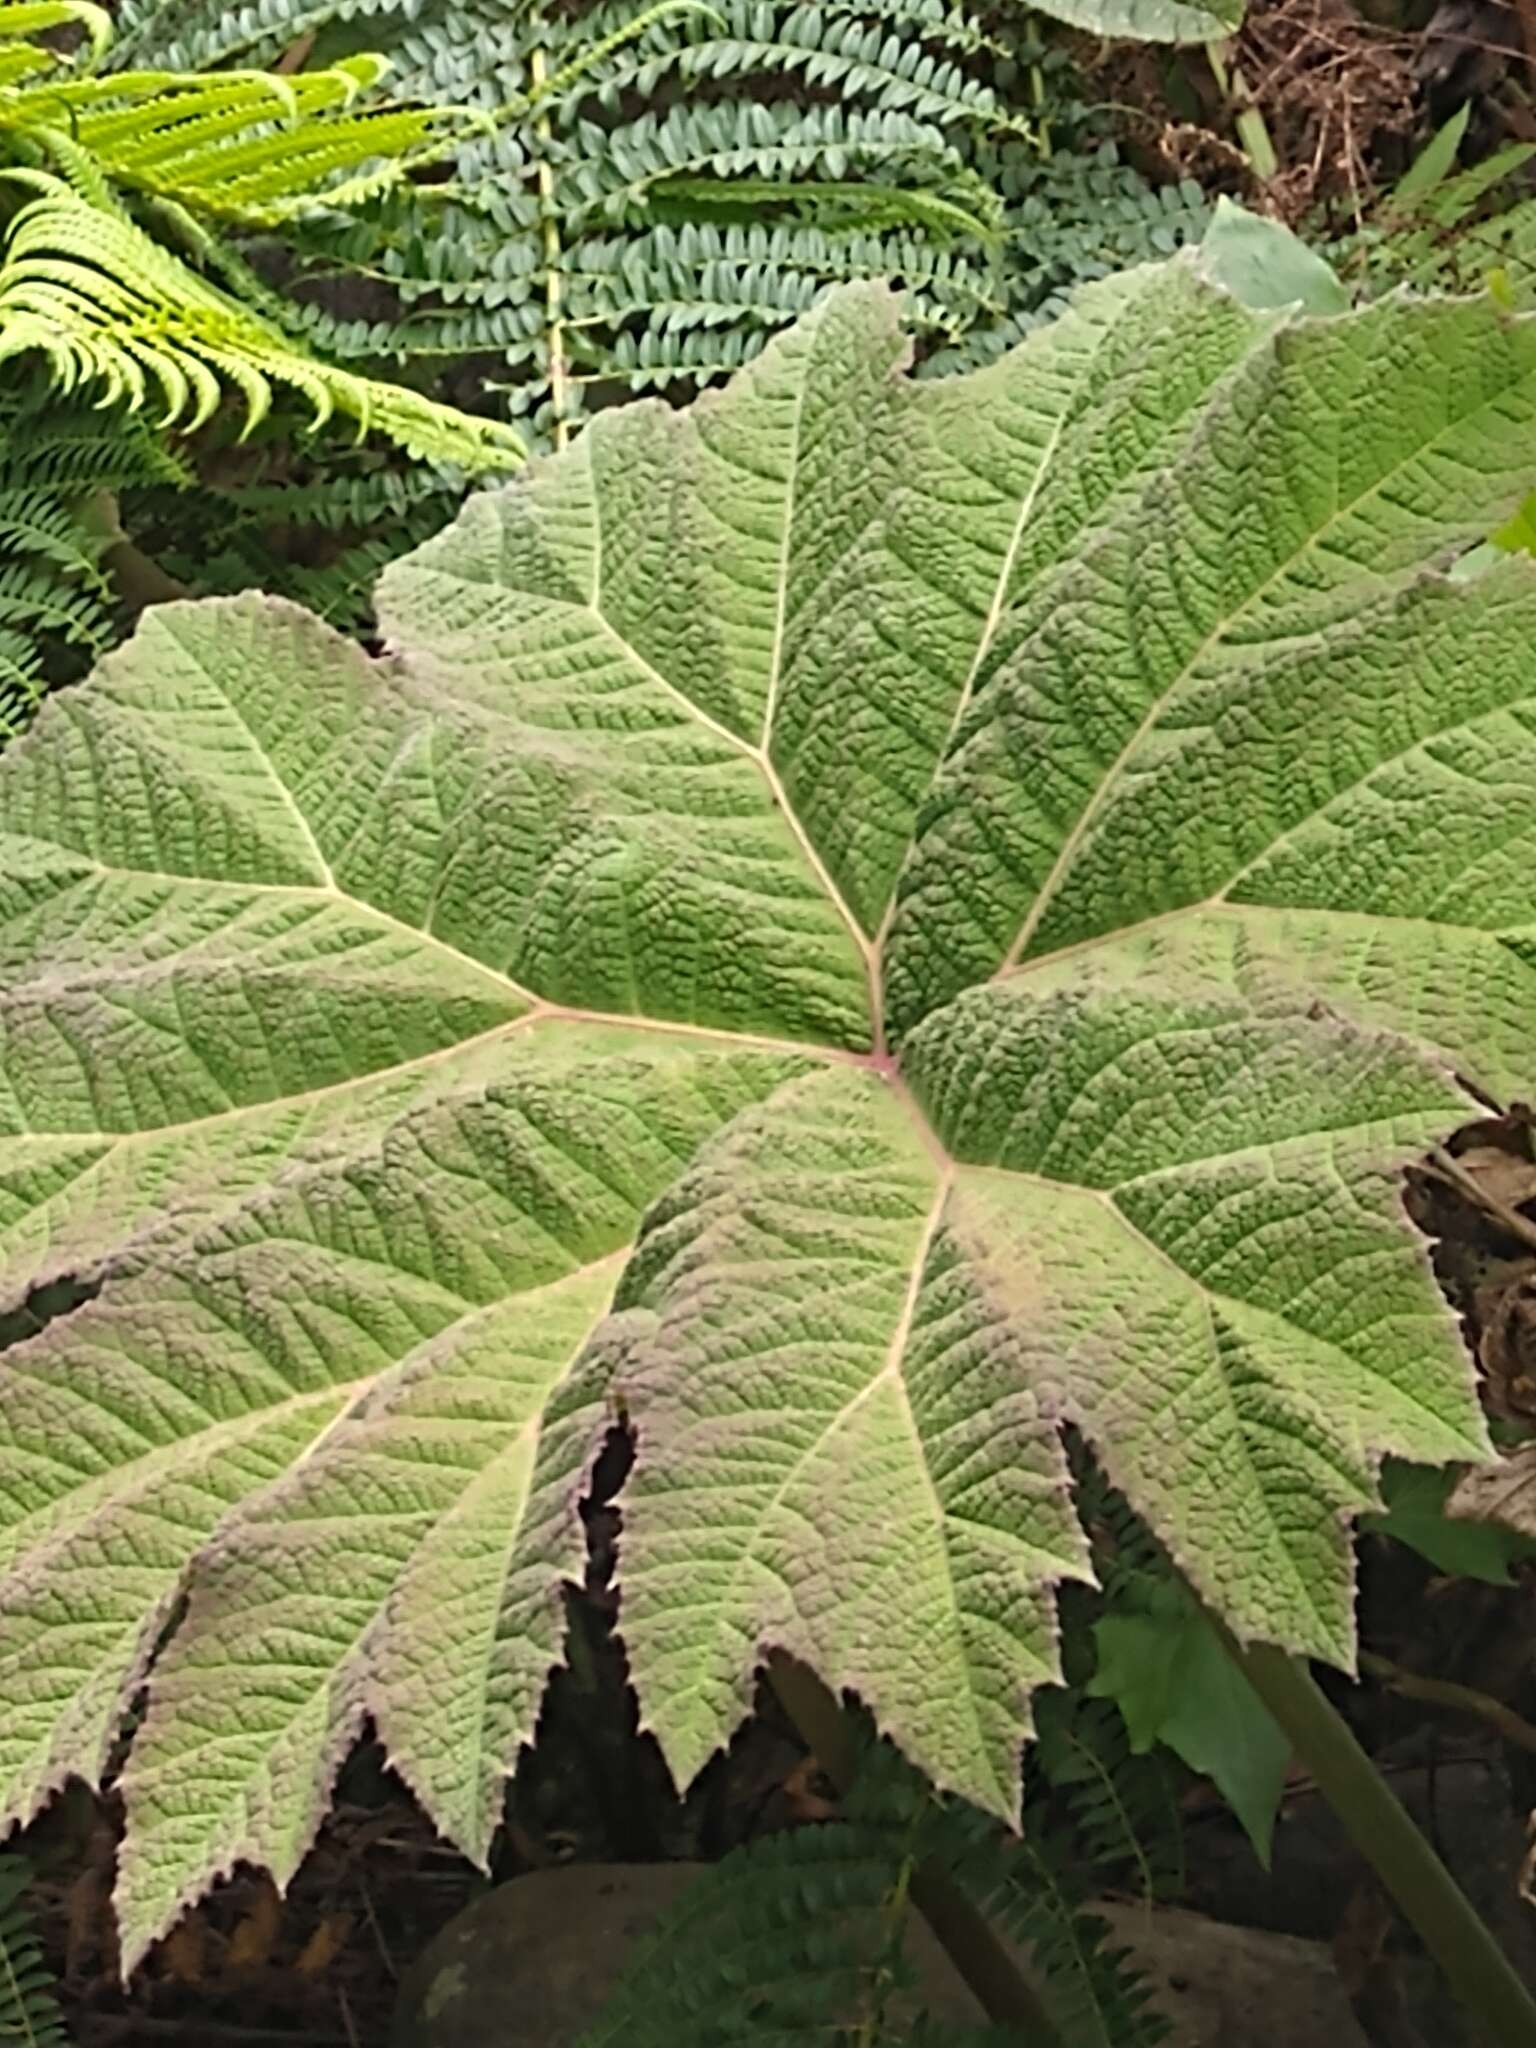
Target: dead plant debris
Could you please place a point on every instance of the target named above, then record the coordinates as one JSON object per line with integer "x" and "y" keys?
{"x": 1330, "y": 88}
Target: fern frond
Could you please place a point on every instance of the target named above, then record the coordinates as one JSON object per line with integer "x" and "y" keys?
{"x": 799, "y": 1938}
{"x": 881, "y": 53}
{"x": 787, "y": 1941}
{"x": 757, "y": 264}
{"x": 107, "y": 307}
{"x": 195, "y": 35}
{"x": 592, "y": 57}
{"x": 1033, "y": 1893}
{"x": 321, "y": 541}
{"x": 29, "y": 2013}
{"x": 837, "y": 125}
{"x": 27, "y": 18}
{"x": 336, "y": 502}
{"x": 1123, "y": 1807}
{"x": 873, "y": 62}
{"x": 615, "y": 169}
{"x": 701, "y": 275}
{"x": 24, "y": 60}
{"x": 57, "y": 608}
{"x": 37, "y": 523}
{"x": 253, "y": 147}
{"x": 836, "y": 206}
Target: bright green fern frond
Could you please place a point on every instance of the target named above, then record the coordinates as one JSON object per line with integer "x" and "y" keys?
{"x": 276, "y": 175}
{"x": 112, "y": 113}
{"x": 246, "y": 146}
{"x": 29, "y": 2012}
{"x": 107, "y": 307}
{"x": 25, "y": 18}
{"x": 23, "y": 60}
{"x": 79, "y": 169}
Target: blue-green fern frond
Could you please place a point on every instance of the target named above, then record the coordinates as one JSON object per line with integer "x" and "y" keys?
{"x": 614, "y": 172}
{"x": 966, "y": 209}
{"x": 59, "y": 464}
{"x": 704, "y": 275}
{"x": 918, "y": 124}
{"x": 873, "y": 62}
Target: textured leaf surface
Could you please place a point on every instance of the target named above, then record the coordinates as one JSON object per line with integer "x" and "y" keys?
{"x": 1151, "y": 21}
{"x": 856, "y": 926}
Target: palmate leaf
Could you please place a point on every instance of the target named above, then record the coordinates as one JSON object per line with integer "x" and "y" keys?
{"x": 856, "y": 926}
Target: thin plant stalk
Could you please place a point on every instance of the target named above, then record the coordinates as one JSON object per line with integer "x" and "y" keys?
{"x": 1252, "y": 129}
{"x": 1440, "y": 1913}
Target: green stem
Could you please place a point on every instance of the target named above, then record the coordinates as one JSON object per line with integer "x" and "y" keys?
{"x": 1252, "y": 131}
{"x": 966, "y": 1935}
{"x": 554, "y": 283}
{"x": 1457, "y": 1699}
{"x": 1431, "y": 1900}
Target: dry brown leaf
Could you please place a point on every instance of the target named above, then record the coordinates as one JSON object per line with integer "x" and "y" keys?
{"x": 184, "y": 1954}
{"x": 806, "y": 1792}
{"x": 1504, "y": 1491}
{"x": 324, "y": 1945}
{"x": 1475, "y": 1197}
{"x": 252, "y": 1942}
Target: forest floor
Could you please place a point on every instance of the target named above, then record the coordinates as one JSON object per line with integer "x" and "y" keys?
{"x": 1442, "y": 1708}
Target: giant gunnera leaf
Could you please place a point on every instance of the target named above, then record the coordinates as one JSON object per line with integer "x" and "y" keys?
{"x": 856, "y": 927}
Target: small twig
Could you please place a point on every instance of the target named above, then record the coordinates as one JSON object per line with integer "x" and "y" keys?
{"x": 346, "y": 2014}
{"x": 1458, "y": 1699}
{"x": 1351, "y": 164}
{"x": 296, "y": 56}
{"x": 1448, "y": 1168}
{"x": 1495, "y": 1996}
{"x": 1469, "y": 1087}
{"x": 220, "y": 2030}
{"x": 377, "y": 1931}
